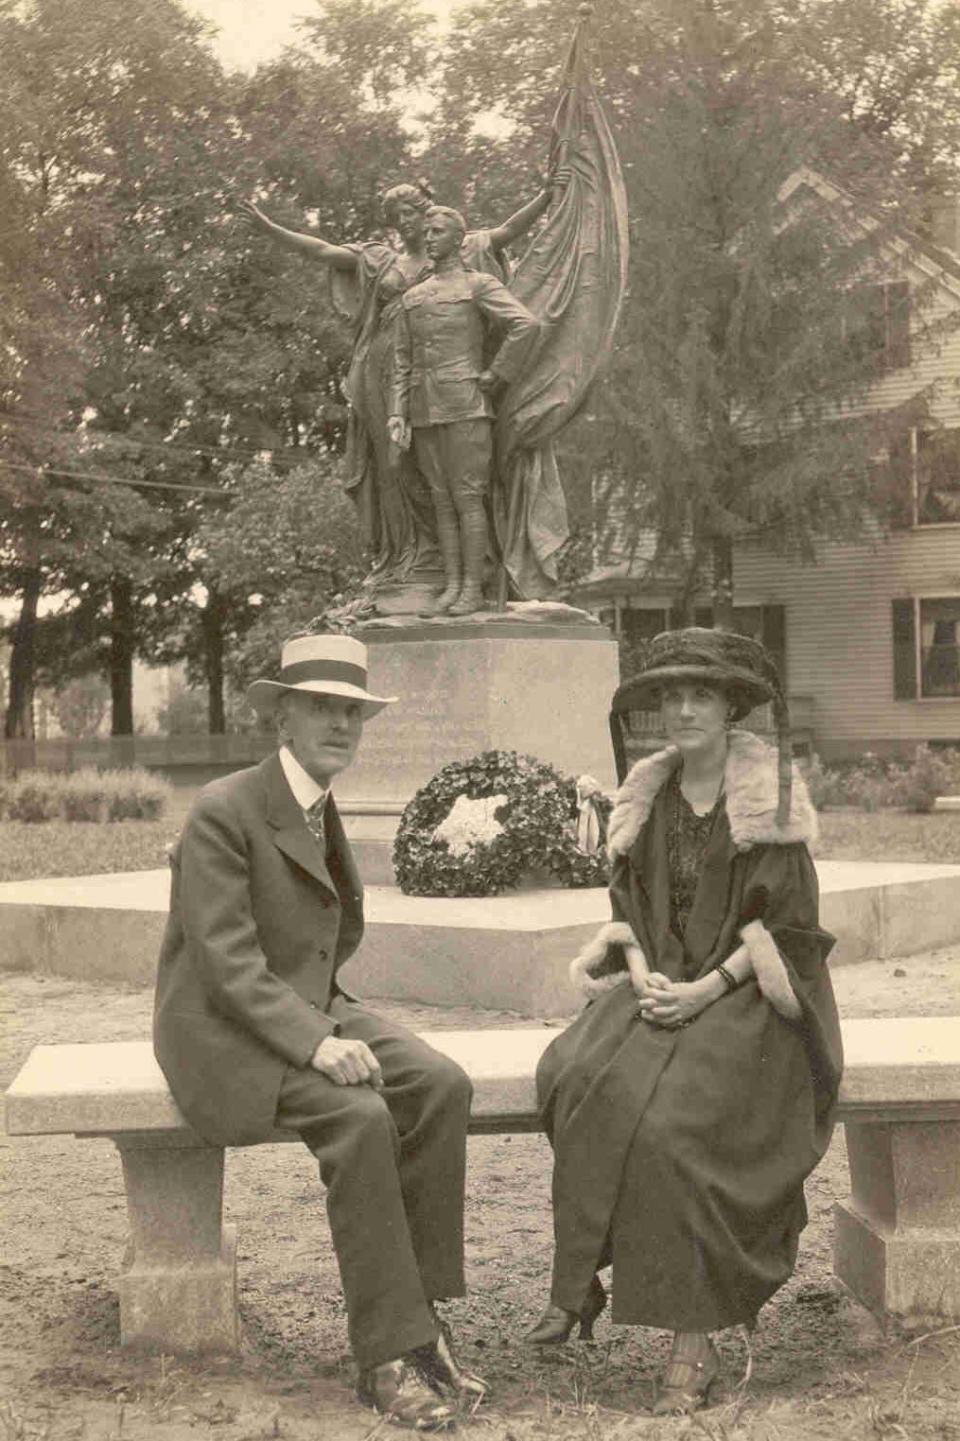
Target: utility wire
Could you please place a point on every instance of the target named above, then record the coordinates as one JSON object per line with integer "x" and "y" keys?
{"x": 115, "y": 479}
{"x": 171, "y": 448}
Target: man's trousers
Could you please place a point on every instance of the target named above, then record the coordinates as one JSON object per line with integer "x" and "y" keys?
{"x": 393, "y": 1163}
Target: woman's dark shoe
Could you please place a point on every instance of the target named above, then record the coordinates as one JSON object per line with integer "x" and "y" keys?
{"x": 686, "y": 1383}
{"x": 403, "y": 1394}
{"x": 555, "y": 1324}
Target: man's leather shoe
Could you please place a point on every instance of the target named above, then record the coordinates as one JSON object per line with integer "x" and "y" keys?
{"x": 442, "y": 1366}
{"x": 401, "y": 1392}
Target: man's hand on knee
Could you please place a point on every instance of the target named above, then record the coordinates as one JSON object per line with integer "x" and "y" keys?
{"x": 347, "y": 1063}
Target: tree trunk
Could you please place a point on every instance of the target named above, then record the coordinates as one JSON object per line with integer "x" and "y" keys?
{"x": 121, "y": 656}
{"x": 212, "y": 619}
{"x": 18, "y": 723}
{"x": 722, "y": 589}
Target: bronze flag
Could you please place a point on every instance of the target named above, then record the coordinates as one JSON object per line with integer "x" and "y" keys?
{"x": 573, "y": 278}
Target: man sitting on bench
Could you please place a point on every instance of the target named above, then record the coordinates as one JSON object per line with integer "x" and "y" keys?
{"x": 253, "y": 1032}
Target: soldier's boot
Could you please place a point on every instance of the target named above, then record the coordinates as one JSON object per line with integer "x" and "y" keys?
{"x": 448, "y": 538}
{"x": 473, "y": 534}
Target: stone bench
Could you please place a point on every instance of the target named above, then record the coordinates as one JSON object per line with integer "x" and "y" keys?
{"x": 896, "y": 1242}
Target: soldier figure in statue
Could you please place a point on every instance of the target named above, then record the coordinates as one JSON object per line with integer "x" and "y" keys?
{"x": 442, "y": 398}
{"x": 367, "y": 281}
{"x": 487, "y": 454}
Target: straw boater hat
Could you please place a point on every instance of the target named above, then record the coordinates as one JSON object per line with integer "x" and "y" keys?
{"x": 324, "y": 665}
{"x": 736, "y": 664}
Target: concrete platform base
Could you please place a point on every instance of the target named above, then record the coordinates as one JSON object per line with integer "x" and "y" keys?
{"x": 505, "y": 952}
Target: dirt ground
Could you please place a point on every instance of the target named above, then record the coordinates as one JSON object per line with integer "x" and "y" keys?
{"x": 821, "y": 1367}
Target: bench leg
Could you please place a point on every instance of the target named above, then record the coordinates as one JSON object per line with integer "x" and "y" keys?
{"x": 897, "y": 1240}
{"x": 178, "y": 1289}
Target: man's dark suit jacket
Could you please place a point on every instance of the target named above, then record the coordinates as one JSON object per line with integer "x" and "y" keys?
{"x": 259, "y": 926}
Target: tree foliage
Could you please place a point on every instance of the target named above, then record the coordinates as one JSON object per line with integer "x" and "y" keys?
{"x": 170, "y": 404}
{"x": 737, "y": 355}
{"x": 288, "y": 548}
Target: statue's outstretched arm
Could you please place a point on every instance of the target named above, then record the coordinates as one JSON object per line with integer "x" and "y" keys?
{"x": 518, "y": 223}
{"x": 337, "y": 255}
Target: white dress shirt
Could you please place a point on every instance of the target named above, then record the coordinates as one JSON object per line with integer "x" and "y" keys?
{"x": 306, "y": 791}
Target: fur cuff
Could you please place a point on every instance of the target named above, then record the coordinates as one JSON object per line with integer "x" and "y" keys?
{"x": 593, "y": 970}
{"x": 771, "y": 973}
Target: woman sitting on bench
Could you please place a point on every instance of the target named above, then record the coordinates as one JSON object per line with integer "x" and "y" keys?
{"x": 696, "y": 1091}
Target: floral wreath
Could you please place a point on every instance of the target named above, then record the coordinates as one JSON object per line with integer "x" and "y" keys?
{"x": 479, "y": 824}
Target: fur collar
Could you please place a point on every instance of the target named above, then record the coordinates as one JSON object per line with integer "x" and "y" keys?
{"x": 750, "y": 787}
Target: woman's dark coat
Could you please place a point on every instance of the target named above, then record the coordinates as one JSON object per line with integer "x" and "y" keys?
{"x": 680, "y": 1155}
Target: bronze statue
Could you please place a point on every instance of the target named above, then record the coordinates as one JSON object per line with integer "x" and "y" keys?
{"x": 442, "y": 398}
{"x": 368, "y": 280}
{"x": 572, "y": 279}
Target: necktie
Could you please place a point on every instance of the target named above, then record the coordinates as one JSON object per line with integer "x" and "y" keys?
{"x": 315, "y": 822}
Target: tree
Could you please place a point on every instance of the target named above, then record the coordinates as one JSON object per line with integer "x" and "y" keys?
{"x": 94, "y": 99}
{"x": 80, "y": 706}
{"x": 739, "y": 350}
{"x": 288, "y": 548}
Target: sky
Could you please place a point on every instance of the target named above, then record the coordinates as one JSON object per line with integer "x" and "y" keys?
{"x": 255, "y": 30}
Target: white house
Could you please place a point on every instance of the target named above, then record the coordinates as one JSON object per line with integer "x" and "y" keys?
{"x": 868, "y": 637}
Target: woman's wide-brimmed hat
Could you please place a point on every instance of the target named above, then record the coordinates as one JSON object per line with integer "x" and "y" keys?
{"x": 324, "y": 665}
{"x": 737, "y": 664}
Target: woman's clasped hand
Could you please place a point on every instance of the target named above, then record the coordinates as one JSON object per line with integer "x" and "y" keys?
{"x": 675, "y": 1003}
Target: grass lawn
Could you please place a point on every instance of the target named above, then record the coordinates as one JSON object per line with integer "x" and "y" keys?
{"x": 890, "y": 836}
{"x": 61, "y": 848}
{"x": 77, "y": 848}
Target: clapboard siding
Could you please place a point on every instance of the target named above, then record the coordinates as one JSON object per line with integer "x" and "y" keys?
{"x": 839, "y": 612}
{"x": 839, "y": 630}
{"x": 935, "y": 354}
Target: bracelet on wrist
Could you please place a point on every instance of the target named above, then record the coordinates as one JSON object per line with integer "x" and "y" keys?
{"x": 728, "y": 979}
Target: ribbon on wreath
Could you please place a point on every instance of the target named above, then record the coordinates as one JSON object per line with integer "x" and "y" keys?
{"x": 589, "y": 820}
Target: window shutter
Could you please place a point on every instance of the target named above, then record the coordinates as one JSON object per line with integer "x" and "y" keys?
{"x": 774, "y": 637}
{"x": 904, "y": 650}
{"x": 900, "y": 481}
{"x": 875, "y": 324}
{"x": 898, "y": 324}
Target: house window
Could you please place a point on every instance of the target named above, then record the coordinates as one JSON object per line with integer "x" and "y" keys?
{"x": 766, "y": 623}
{"x": 923, "y": 478}
{"x": 926, "y": 647}
{"x": 937, "y": 477}
{"x": 939, "y": 636}
{"x": 877, "y": 324}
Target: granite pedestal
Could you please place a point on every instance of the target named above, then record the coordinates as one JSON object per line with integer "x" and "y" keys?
{"x": 481, "y": 684}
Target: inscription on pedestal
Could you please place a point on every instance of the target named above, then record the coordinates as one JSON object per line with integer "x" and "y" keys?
{"x": 547, "y": 696}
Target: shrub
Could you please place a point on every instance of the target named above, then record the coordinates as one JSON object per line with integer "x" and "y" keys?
{"x": 930, "y": 775}
{"x": 871, "y": 784}
{"x": 136, "y": 795}
{"x": 86, "y": 795}
{"x": 34, "y": 796}
{"x": 823, "y": 784}
{"x": 83, "y": 796}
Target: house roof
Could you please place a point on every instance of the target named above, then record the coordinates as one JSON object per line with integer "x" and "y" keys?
{"x": 907, "y": 243}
